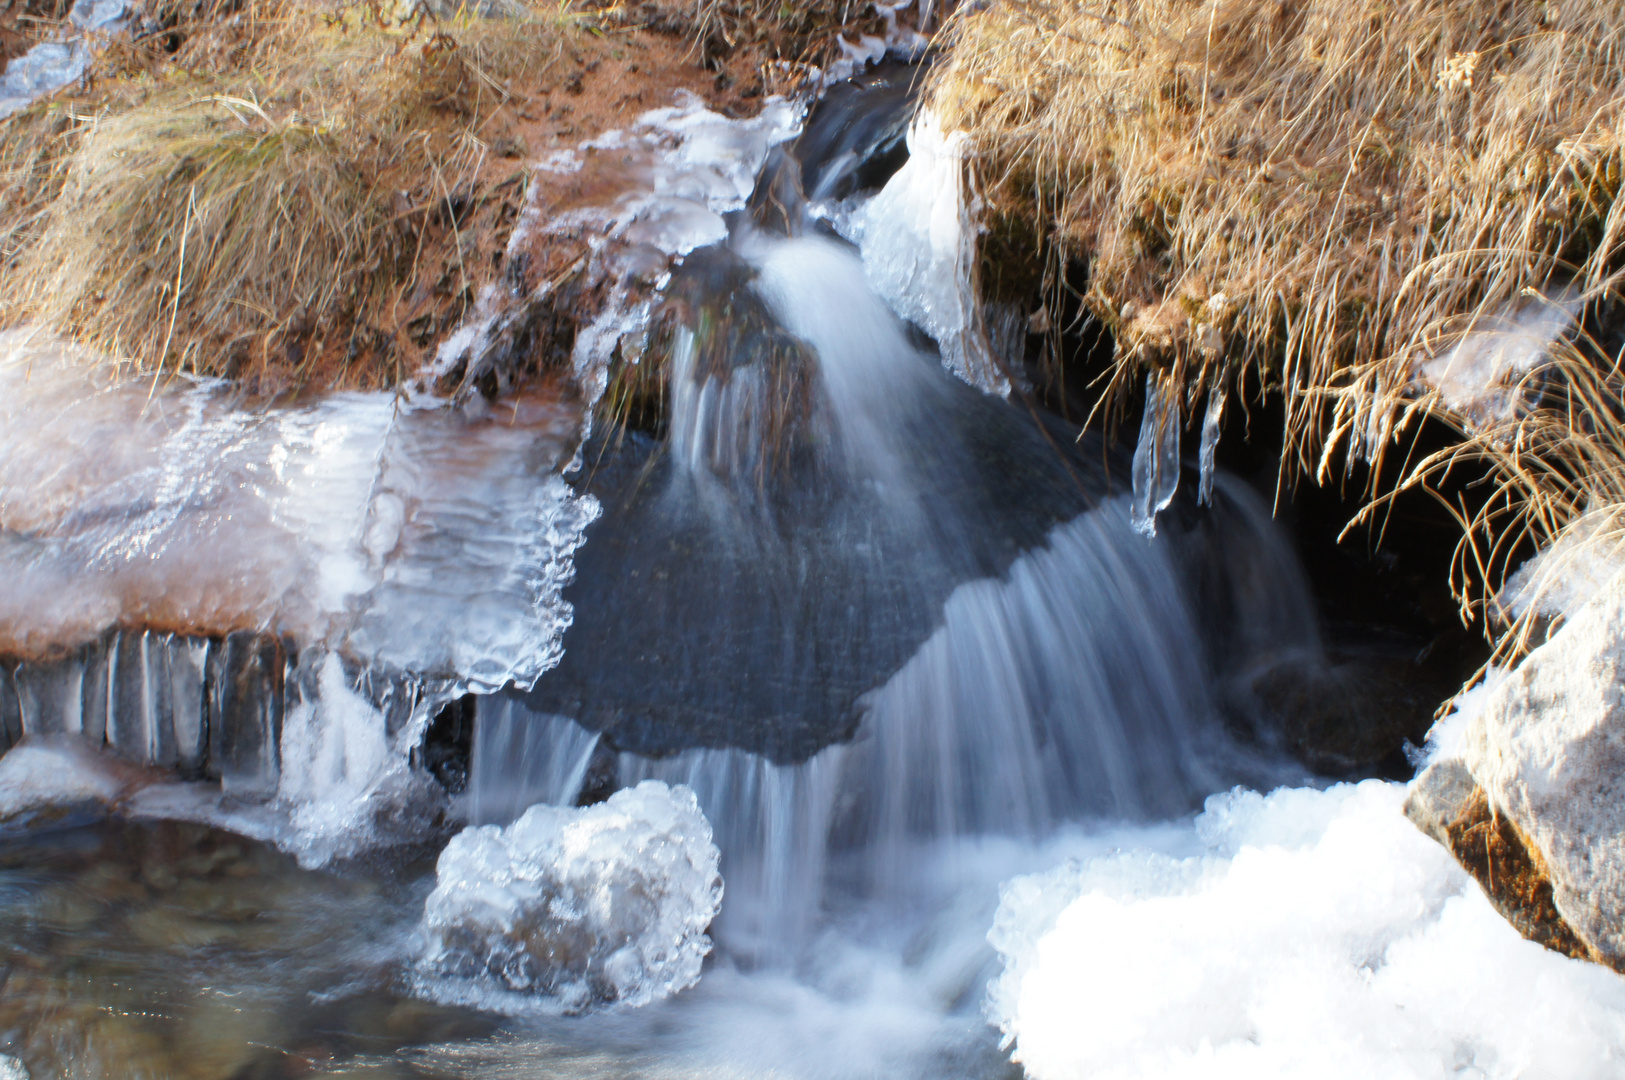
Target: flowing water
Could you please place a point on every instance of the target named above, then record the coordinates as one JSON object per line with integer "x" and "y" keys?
{"x": 936, "y": 693}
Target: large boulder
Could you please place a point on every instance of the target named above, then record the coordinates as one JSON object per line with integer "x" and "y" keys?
{"x": 1545, "y": 750}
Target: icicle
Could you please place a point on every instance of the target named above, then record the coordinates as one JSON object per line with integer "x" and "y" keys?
{"x": 1156, "y": 456}
{"x": 1210, "y": 443}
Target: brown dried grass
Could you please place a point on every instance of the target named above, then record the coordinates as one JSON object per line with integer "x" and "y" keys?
{"x": 260, "y": 211}
{"x": 1313, "y": 189}
{"x": 1317, "y": 196}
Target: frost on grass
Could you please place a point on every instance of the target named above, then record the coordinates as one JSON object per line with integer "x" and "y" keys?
{"x": 567, "y": 908}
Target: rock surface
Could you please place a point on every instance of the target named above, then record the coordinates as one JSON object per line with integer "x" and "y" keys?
{"x": 1447, "y": 804}
{"x": 1545, "y": 752}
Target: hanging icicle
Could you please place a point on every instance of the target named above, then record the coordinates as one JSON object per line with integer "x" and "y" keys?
{"x": 1156, "y": 456}
{"x": 1210, "y": 443}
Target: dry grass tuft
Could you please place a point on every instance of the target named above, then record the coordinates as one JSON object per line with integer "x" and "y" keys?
{"x": 1314, "y": 190}
{"x": 241, "y": 234}
{"x": 1556, "y": 484}
{"x": 775, "y": 30}
{"x": 1319, "y": 197}
{"x": 267, "y": 206}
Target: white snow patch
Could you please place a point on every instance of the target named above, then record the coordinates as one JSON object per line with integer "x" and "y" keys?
{"x": 1562, "y": 578}
{"x": 1321, "y": 937}
{"x": 1444, "y": 740}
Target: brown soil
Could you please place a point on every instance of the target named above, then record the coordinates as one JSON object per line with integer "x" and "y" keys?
{"x": 1512, "y": 874}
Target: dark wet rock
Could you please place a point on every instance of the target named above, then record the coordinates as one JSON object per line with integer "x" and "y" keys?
{"x": 845, "y": 149}
{"x": 449, "y": 744}
{"x": 761, "y": 627}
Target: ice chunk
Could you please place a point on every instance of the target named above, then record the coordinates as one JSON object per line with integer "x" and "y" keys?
{"x": 46, "y": 779}
{"x": 1156, "y": 455}
{"x": 1479, "y": 377}
{"x": 918, "y": 238}
{"x": 569, "y": 908}
{"x": 1211, "y": 423}
{"x": 1323, "y": 936}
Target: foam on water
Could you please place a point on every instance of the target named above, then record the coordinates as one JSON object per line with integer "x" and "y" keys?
{"x": 567, "y": 908}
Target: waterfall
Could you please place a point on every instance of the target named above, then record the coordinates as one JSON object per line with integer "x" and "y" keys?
{"x": 871, "y": 616}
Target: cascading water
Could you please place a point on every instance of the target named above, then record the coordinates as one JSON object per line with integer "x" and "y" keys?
{"x": 887, "y": 640}
{"x": 882, "y": 641}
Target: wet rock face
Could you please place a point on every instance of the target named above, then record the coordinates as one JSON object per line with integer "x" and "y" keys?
{"x": 761, "y": 627}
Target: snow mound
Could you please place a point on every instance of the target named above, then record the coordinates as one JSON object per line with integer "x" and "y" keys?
{"x": 1322, "y": 936}
{"x": 570, "y": 908}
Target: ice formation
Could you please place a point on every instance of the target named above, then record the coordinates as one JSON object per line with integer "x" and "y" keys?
{"x": 1320, "y": 936}
{"x": 1156, "y": 455}
{"x": 570, "y": 908}
{"x": 681, "y": 169}
{"x": 918, "y": 237}
{"x": 1479, "y": 376}
{"x": 1212, "y": 421}
{"x": 430, "y": 540}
